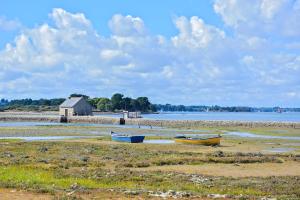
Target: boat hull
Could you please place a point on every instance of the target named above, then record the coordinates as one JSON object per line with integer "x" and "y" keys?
{"x": 129, "y": 139}
{"x": 208, "y": 142}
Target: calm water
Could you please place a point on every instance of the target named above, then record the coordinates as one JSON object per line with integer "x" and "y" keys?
{"x": 280, "y": 150}
{"x": 46, "y": 138}
{"x": 236, "y": 116}
{"x": 251, "y": 135}
{"x": 159, "y": 141}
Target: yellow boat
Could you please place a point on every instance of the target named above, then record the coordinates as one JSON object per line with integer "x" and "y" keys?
{"x": 211, "y": 141}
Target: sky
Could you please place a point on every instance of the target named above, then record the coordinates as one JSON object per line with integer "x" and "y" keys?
{"x": 191, "y": 52}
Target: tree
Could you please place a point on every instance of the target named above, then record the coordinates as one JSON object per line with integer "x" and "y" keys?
{"x": 134, "y": 104}
{"x": 94, "y": 101}
{"x": 56, "y": 102}
{"x": 79, "y": 95}
{"x": 144, "y": 103}
{"x": 126, "y": 104}
{"x": 116, "y": 101}
{"x": 153, "y": 108}
{"x": 104, "y": 104}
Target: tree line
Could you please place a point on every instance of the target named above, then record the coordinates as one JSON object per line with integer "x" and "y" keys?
{"x": 119, "y": 102}
{"x": 31, "y": 105}
{"x": 215, "y": 108}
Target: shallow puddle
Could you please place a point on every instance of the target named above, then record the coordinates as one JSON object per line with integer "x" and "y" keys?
{"x": 280, "y": 150}
{"x": 22, "y": 124}
{"x": 251, "y": 135}
{"x": 159, "y": 141}
{"x": 45, "y": 138}
{"x": 292, "y": 144}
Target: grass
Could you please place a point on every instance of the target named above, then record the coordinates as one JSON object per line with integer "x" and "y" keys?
{"x": 49, "y": 181}
{"x": 29, "y": 177}
{"x": 90, "y": 164}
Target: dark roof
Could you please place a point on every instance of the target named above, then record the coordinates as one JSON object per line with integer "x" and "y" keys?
{"x": 71, "y": 102}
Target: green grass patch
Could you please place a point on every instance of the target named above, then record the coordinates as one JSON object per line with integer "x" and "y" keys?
{"x": 27, "y": 177}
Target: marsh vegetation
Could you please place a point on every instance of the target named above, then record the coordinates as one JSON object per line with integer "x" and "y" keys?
{"x": 86, "y": 168}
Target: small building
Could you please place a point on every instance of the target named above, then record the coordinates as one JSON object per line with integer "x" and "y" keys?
{"x": 75, "y": 106}
{"x": 130, "y": 115}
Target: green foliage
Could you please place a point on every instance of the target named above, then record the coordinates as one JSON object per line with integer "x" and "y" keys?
{"x": 34, "y": 105}
{"x": 109, "y": 166}
{"x": 144, "y": 103}
{"x": 104, "y": 104}
{"x": 116, "y": 101}
{"x": 182, "y": 108}
{"x": 40, "y": 102}
{"x": 79, "y": 95}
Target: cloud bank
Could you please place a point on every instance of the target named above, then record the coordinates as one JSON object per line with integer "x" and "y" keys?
{"x": 258, "y": 63}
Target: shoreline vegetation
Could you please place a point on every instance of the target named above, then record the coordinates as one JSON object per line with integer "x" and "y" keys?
{"x": 118, "y": 102}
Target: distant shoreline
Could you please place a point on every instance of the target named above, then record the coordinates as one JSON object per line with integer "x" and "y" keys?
{"x": 52, "y": 117}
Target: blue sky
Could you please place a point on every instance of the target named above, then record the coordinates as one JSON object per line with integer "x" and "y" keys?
{"x": 183, "y": 52}
{"x": 156, "y": 14}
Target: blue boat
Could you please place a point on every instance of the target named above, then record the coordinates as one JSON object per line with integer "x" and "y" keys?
{"x": 127, "y": 138}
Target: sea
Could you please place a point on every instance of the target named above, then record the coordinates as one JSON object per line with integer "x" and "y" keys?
{"x": 234, "y": 116}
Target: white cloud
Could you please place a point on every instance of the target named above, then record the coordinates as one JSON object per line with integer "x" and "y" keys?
{"x": 65, "y": 20}
{"x": 269, "y": 8}
{"x": 271, "y": 17}
{"x": 127, "y": 25}
{"x": 9, "y": 25}
{"x": 194, "y": 33}
{"x": 199, "y": 65}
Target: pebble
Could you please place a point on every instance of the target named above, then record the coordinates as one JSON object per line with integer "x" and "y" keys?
{"x": 43, "y": 149}
{"x": 170, "y": 194}
{"x": 131, "y": 192}
{"x": 217, "y": 196}
{"x": 199, "y": 179}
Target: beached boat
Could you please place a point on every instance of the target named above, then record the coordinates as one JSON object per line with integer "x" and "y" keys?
{"x": 209, "y": 141}
{"x": 127, "y": 138}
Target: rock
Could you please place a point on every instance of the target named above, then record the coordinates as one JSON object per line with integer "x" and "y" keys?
{"x": 44, "y": 161}
{"x": 185, "y": 194}
{"x": 159, "y": 194}
{"x": 43, "y": 149}
{"x": 170, "y": 194}
{"x": 84, "y": 159}
{"x": 131, "y": 192}
{"x": 199, "y": 179}
{"x": 71, "y": 193}
{"x": 74, "y": 186}
{"x": 268, "y": 198}
{"x": 106, "y": 158}
{"x": 9, "y": 155}
{"x": 217, "y": 196}
{"x": 219, "y": 154}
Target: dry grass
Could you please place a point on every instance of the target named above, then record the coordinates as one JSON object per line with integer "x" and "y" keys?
{"x": 233, "y": 170}
{"x": 238, "y": 166}
{"x": 9, "y": 194}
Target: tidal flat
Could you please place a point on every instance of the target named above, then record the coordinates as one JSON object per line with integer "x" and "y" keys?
{"x": 95, "y": 167}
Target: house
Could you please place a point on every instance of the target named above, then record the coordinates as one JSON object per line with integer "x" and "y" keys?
{"x": 127, "y": 115}
{"x": 75, "y": 106}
